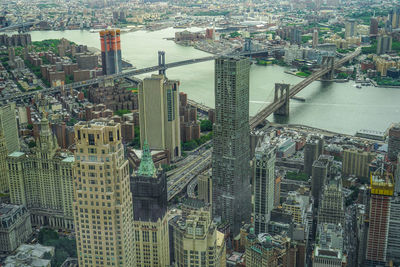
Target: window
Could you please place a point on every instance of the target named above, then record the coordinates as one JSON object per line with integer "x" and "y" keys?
{"x": 91, "y": 139}
{"x": 110, "y": 136}
{"x": 79, "y": 135}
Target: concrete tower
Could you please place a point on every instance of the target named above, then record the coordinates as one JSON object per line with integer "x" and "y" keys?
{"x": 103, "y": 213}
{"x": 231, "y": 137}
{"x": 263, "y": 185}
{"x": 149, "y": 197}
{"x": 159, "y": 114}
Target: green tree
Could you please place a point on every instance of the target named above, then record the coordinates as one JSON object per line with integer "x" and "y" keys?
{"x": 206, "y": 125}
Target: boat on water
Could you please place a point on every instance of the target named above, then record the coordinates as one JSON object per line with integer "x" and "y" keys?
{"x": 358, "y": 86}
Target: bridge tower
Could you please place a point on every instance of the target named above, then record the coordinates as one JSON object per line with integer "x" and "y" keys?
{"x": 282, "y": 92}
{"x": 329, "y": 62}
{"x": 161, "y": 62}
{"x": 247, "y": 45}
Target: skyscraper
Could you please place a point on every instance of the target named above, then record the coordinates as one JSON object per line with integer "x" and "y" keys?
{"x": 379, "y": 213}
{"x": 315, "y": 38}
{"x": 263, "y": 185}
{"x": 231, "y": 137}
{"x": 394, "y": 142}
{"x": 9, "y": 127}
{"x": 111, "y": 51}
{"x": 149, "y": 197}
{"x": 350, "y": 28}
{"x": 384, "y": 44}
{"x": 331, "y": 209}
{"x": 159, "y": 114}
{"x": 103, "y": 213}
{"x": 393, "y": 247}
{"x": 197, "y": 242}
{"x": 3, "y": 165}
{"x": 373, "y": 27}
{"x": 318, "y": 180}
{"x": 312, "y": 150}
{"x": 43, "y": 181}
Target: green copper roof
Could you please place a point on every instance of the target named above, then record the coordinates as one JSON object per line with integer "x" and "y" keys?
{"x": 146, "y": 167}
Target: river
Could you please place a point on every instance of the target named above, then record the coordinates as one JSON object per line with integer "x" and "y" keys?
{"x": 338, "y": 107}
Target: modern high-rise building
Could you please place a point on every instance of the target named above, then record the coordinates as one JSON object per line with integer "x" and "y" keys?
{"x": 350, "y": 28}
{"x": 331, "y": 208}
{"x": 315, "y": 38}
{"x": 329, "y": 248}
{"x": 393, "y": 243}
{"x": 111, "y": 51}
{"x": 263, "y": 185}
{"x": 159, "y": 114}
{"x": 379, "y": 216}
{"x": 42, "y": 181}
{"x": 373, "y": 27}
{"x": 103, "y": 214}
{"x": 231, "y": 148}
{"x": 149, "y": 198}
{"x": 4, "y": 186}
{"x": 384, "y": 44}
{"x": 205, "y": 187}
{"x": 9, "y": 127}
{"x": 318, "y": 179}
{"x": 394, "y": 142}
{"x": 394, "y": 17}
{"x": 312, "y": 150}
{"x": 197, "y": 242}
{"x": 356, "y": 162}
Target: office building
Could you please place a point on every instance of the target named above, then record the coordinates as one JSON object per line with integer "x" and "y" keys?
{"x": 312, "y": 150}
{"x": 4, "y": 186}
{"x": 103, "y": 213}
{"x": 295, "y": 36}
{"x": 356, "y": 162}
{"x": 263, "y": 185}
{"x": 331, "y": 208}
{"x": 43, "y": 181}
{"x": 384, "y": 44}
{"x": 296, "y": 205}
{"x": 159, "y": 109}
{"x": 15, "y": 227}
{"x": 231, "y": 136}
{"x": 205, "y": 187}
{"x": 31, "y": 256}
{"x": 394, "y": 142}
{"x": 9, "y": 127}
{"x": 197, "y": 242}
{"x": 315, "y": 38}
{"x": 394, "y": 18}
{"x": 318, "y": 179}
{"x": 379, "y": 216}
{"x": 373, "y": 27}
{"x": 149, "y": 198}
{"x": 329, "y": 248}
{"x": 393, "y": 243}
{"x": 266, "y": 250}
{"x": 111, "y": 51}
{"x": 277, "y": 191}
{"x": 350, "y": 28}
{"x": 397, "y": 176}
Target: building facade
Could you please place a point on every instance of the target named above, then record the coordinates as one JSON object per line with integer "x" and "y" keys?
{"x": 197, "y": 241}
{"x": 9, "y": 127}
{"x": 43, "y": 181}
{"x": 379, "y": 216}
{"x": 328, "y": 251}
{"x": 312, "y": 150}
{"x": 111, "y": 51}
{"x": 149, "y": 198}
{"x": 393, "y": 246}
{"x": 103, "y": 213}
{"x": 355, "y": 162}
{"x": 331, "y": 208}
{"x": 231, "y": 148}
{"x": 394, "y": 142}
{"x": 159, "y": 109}
{"x": 4, "y": 187}
{"x": 263, "y": 185}
{"x": 15, "y": 227}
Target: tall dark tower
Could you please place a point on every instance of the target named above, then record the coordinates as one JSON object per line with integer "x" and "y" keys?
{"x": 149, "y": 199}
{"x": 149, "y": 190}
{"x": 231, "y": 152}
